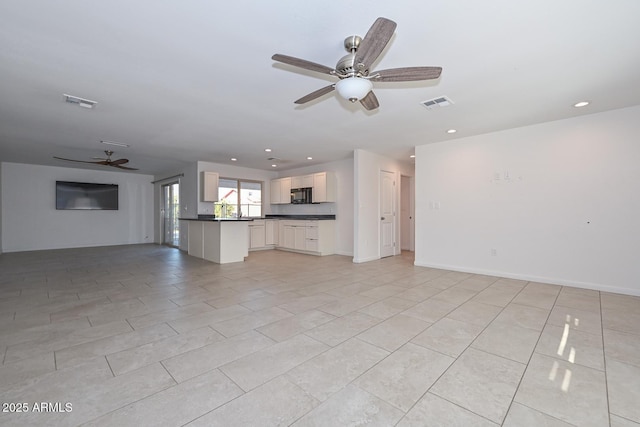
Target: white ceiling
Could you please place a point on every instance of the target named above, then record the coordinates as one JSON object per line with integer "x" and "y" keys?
{"x": 191, "y": 80}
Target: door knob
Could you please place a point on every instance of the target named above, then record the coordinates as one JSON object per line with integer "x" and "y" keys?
{"x": 381, "y": 218}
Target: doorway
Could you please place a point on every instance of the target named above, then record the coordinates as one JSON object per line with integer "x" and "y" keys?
{"x": 170, "y": 214}
{"x": 387, "y": 214}
{"x": 407, "y": 213}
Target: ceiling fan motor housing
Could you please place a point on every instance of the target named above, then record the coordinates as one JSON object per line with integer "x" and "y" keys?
{"x": 346, "y": 66}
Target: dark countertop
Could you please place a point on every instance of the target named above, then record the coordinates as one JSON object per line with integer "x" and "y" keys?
{"x": 210, "y": 218}
{"x": 308, "y": 217}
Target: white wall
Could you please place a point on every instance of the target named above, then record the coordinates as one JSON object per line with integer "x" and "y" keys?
{"x": 367, "y": 167}
{"x": 559, "y": 202}
{"x": 342, "y": 208}
{"x": 1, "y": 250}
{"x": 30, "y": 220}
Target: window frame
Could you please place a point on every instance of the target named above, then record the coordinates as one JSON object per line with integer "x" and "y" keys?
{"x": 238, "y": 205}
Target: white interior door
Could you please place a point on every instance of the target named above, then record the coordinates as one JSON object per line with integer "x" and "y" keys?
{"x": 387, "y": 214}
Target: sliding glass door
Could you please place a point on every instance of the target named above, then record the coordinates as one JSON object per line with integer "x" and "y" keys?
{"x": 170, "y": 213}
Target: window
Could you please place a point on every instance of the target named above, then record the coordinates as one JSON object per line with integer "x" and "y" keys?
{"x": 238, "y": 198}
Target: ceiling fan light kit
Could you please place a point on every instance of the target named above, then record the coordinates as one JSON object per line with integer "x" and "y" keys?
{"x": 355, "y": 82}
{"x": 354, "y": 88}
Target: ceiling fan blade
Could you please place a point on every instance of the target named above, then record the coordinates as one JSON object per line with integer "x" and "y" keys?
{"x": 370, "y": 102}
{"x": 313, "y": 95}
{"x": 123, "y": 167}
{"x": 374, "y": 43}
{"x": 301, "y": 63}
{"x": 81, "y": 161}
{"x": 407, "y": 74}
{"x": 120, "y": 162}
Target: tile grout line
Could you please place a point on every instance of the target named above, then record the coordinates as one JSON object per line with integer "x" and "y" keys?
{"x": 465, "y": 349}
{"x": 604, "y": 358}
{"x": 531, "y": 356}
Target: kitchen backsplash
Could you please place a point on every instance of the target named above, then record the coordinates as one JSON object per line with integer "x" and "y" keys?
{"x": 317, "y": 208}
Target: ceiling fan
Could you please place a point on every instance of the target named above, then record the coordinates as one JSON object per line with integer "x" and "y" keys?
{"x": 105, "y": 162}
{"x": 353, "y": 69}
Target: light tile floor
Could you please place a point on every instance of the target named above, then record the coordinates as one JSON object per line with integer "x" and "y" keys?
{"x": 146, "y": 335}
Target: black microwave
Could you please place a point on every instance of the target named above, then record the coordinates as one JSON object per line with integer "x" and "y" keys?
{"x": 301, "y": 195}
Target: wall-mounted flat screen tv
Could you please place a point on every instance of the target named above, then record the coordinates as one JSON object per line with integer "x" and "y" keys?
{"x": 86, "y": 196}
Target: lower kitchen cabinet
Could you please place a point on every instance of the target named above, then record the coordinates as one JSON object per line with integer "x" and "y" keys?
{"x": 293, "y": 236}
{"x": 257, "y": 237}
{"x": 263, "y": 234}
{"x": 271, "y": 232}
{"x": 314, "y": 237}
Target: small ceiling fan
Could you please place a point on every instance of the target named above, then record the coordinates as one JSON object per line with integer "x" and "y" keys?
{"x": 353, "y": 69}
{"x": 105, "y": 162}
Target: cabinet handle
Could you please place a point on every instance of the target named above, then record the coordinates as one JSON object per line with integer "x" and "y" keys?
{"x": 382, "y": 218}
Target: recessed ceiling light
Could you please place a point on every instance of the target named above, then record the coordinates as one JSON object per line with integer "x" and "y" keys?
{"x": 581, "y": 104}
{"x": 309, "y": 158}
{"x": 413, "y": 156}
{"x": 119, "y": 144}
{"x": 274, "y": 166}
{"x": 452, "y": 131}
{"x": 233, "y": 159}
{"x": 268, "y": 150}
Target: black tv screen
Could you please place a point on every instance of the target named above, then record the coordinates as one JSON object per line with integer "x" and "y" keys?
{"x": 86, "y": 196}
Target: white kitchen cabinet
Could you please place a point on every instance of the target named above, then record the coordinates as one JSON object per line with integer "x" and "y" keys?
{"x": 281, "y": 191}
{"x": 184, "y": 235}
{"x": 311, "y": 236}
{"x": 287, "y": 236}
{"x": 294, "y": 237}
{"x": 299, "y": 239}
{"x": 304, "y": 181}
{"x": 196, "y": 241}
{"x": 218, "y": 241}
{"x": 314, "y": 237}
{"x": 324, "y": 187}
{"x": 271, "y": 232}
{"x": 275, "y": 191}
{"x": 285, "y": 190}
{"x": 209, "y": 186}
{"x": 257, "y": 236}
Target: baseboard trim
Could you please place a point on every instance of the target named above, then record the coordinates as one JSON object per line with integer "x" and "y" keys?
{"x": 361, "y": 260}
{"x": 534, "y": 278}
{"x": 345, "y": 253}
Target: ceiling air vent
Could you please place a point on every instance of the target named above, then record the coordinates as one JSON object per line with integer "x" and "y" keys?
{"x": 441, "y": 101}
{"x": 278, "y": 159}
{"x": 80, "y": 102}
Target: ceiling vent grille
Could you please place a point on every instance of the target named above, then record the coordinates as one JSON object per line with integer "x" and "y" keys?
{"x": 80, "y": 102}
{"x": 441, "y": 101}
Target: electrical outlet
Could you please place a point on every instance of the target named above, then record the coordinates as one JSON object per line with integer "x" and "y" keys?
{"x": 494, "y": 252}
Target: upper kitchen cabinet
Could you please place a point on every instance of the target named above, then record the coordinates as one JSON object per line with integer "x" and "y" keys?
{"x": 304, "y": 181}
{"x": 324, "y": 187}
{"x": 209, "y": 186}
{"x": 281, "y": 191}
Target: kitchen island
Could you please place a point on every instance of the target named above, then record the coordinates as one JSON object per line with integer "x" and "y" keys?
{"x": 218, "y": 240}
